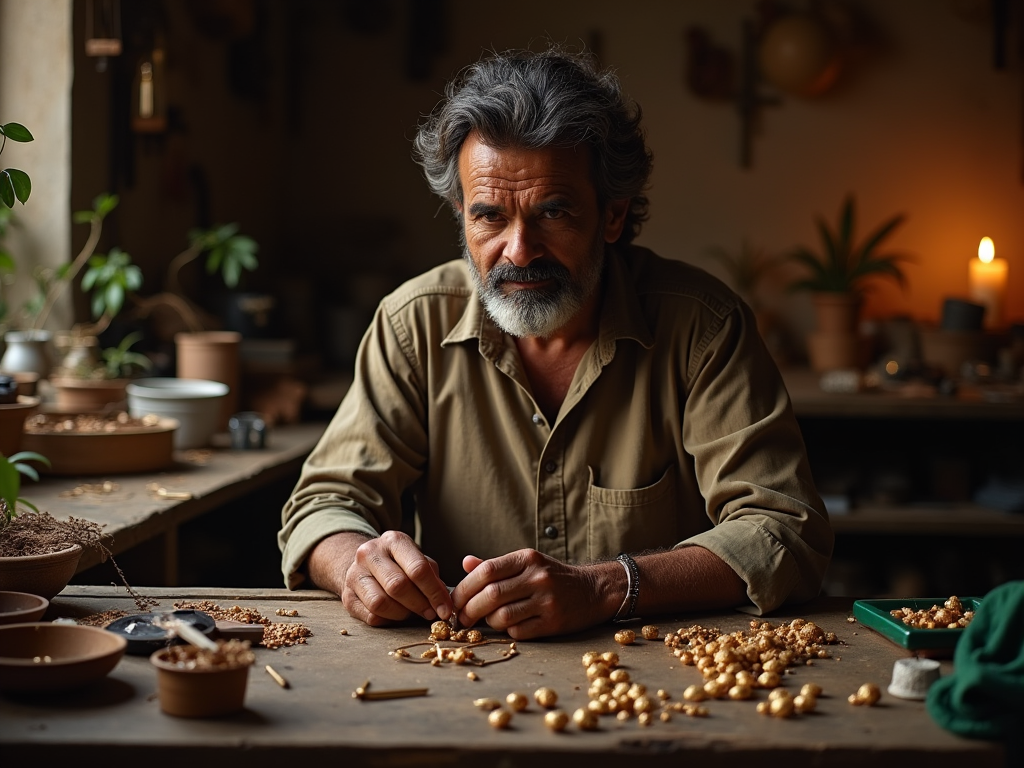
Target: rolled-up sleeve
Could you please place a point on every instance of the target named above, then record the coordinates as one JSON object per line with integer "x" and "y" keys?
{"x": 372, "y": 451}
{"x": 750, "y": 461}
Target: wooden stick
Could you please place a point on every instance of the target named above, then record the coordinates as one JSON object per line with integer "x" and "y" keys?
{"x": 277, "y": 678}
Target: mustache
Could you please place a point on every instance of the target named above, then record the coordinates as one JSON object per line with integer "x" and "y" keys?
{"x": 534, "y": 272}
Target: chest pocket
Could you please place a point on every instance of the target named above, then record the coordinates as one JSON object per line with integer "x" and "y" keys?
{"x": 632, "y": 520}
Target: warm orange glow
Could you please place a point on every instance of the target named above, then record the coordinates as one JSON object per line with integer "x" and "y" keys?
{"x": 986, "y": 250}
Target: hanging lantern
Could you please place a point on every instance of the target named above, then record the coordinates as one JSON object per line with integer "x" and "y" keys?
{"x": 103, "y": 28}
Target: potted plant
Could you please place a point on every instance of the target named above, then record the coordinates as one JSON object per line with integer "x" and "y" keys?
{"x": 203, "y": 354}
{"x": 28, "y": 349}
{"x": 83, "y": 383}
{"x": 838, "y": 277}
{"x": 39, "y": 553}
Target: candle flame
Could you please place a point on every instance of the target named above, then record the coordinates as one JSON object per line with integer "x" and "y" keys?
{"x": 986, "y": 250}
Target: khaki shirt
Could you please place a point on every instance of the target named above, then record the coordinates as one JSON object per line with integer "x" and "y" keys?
{"x": 676, "y": 431}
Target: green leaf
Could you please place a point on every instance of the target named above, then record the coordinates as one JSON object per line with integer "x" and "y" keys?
{"x": 21, "y": 182}
{"x": 104, "y": 204}
{"x": 16, "y": 132}
{"x": 6, "y": 262}
{"x": 10, "y": 486}
{"x": 115, "y": 298}
{"x": 82, "y": 217}
{"x": 7, "y": 189}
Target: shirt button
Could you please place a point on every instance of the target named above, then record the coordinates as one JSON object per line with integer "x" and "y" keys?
{"x": 537, "y": 419}
{"x": 551, "y": 532}
{"x": 550, "y": 467}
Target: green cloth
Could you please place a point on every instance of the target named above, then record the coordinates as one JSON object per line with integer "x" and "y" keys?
{"x": 984, "y": 696}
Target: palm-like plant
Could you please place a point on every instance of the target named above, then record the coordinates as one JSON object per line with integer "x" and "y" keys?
{"x": 844, "y": 266}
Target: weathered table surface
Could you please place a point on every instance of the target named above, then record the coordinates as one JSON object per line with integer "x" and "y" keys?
{"x": 317, "y": 721}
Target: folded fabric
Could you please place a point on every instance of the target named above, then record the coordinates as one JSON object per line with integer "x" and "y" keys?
{"x": 984, "y": 696}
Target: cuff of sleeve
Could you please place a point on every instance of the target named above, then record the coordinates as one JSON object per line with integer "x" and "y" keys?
{"x": 758, "y": 558}
{"x": 299, "y": 539}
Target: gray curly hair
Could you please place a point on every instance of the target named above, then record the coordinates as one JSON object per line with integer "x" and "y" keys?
{"x": 531, "y": 100}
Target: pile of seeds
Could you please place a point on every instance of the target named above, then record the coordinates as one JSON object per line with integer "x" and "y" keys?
{"x": 86, "y": 423}
{"x": 101, "y": 619}
{"x": 275, "y": 634}
{"x": 229, "y": 654}
{"x": 950, "y": 616}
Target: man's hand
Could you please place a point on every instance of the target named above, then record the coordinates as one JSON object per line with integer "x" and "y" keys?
{"x": 386, "y": 579}
{"x": 529, "y": 594}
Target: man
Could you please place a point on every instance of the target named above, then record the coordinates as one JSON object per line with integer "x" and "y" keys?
{"x": 557, "y": 398}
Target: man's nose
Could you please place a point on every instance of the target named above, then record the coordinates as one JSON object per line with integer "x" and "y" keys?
{"x": 522, "y": 245}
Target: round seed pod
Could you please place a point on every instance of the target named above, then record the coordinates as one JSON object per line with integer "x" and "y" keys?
{"x": 768, "y": 680}
{"x": 474, "y": 636}
{"x": 487, "y": 704}
{"x": 619, "y": 676}
{"x": 804, "y": 704}
{"x": 869, "y": 694}
{"x": 590, "y": 657}
{"x": 546, "y": 697}
{"x": 740, "y": 692}
{"x": 694, "y": 693}
{"x": 649, "y": 632}
{"x": 636, "y": 690}
{"x": 644, "y": 718}
{"x": 517, "y": 701}
{"x": 585, "y": 720}
{"x": 440, "y": 630}
{"x": 596, "y": 670}
{"x": 556, "y": 720}
{"x": 778, "y": 693}
{"x": 500, "y": 718}
{"x": 810, "y": 689}
{"x": 642, "y": 704}
{"x": 781, "y": 707}
{"x": 611, "y": 658}
{"x": 625, "y": 637}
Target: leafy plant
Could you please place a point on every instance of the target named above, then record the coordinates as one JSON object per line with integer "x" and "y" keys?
{"x": 14, "y": 184}
{"x": 111, "y": 277}
{"x": 843, "y": 266}
{"x": 11, "y": 470}
{"x": 52, "y": 282}
{"x": 120, "y": 362}
{"x": 227, "y": 251}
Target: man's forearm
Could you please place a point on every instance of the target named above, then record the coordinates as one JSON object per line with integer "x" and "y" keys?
{"x": 330, "y": 560}
{"x": 685, "y": 579}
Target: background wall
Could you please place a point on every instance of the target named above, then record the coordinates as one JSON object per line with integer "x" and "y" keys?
{"x": 296, "y": 119}
{"x": 35, "y": 90}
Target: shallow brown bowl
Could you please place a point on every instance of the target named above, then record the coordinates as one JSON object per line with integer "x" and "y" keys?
{"x": 76, "y": 655}
{"x": 19, "y": 607}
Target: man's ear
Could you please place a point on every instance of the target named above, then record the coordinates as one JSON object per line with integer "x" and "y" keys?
{"x": 614, "y": 219}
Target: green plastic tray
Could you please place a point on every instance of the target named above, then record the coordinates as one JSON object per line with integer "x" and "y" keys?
{"x": 875, "y": 614}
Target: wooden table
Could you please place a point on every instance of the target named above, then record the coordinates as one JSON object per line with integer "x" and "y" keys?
{"x": 317, "y": 722}
{"x": 201, "y": 481}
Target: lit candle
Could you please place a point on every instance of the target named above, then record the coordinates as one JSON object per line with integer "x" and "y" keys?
{"x": 988, "y": 282}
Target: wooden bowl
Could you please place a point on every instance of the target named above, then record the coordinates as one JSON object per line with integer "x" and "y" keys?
{"x": 19, "y": 607}
{"x": 37, "y": 656}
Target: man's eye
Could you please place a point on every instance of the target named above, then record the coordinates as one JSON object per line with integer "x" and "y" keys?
{"x": 554, "y": 213}
{"x": 489, "y": 216}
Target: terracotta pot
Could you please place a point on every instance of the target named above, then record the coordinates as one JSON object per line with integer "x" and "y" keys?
{"x": 12, "y": 423}
{"x": 200, "y": 692}
{"x": 213, "y": 356}
{"x": 43, "y": 575}
{"x": 835, "y": 351}
{"x": 89, "y": 395}
{"x": 836, "y": 312}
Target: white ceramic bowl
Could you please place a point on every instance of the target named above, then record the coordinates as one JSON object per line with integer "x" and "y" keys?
{"x": 195, "y": 403}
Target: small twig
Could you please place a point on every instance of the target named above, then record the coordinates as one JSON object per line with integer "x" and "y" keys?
{"x": 364, "y": 694}
{"x": 277, "y": 677}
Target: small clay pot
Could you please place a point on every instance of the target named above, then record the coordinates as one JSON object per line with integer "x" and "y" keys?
{"x": 199, "y": 691}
